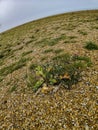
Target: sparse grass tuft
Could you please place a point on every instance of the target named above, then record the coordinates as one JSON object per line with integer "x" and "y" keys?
{"x": 72, "y": 37}
{"x": 5, "y": 53}
{"x": 1, "y": 55}
{"x": 95, "y": 27}
{"x": 70, "y": 27}
{"x": 43, "y": 58}
{"x": 64, "y": 57}
{"x": 51, "y": 42}
{"x": 1, "y": 79}
{"x": 83, "y": 58}
{"x": 91, "y": 46}
{"x": 26, "y": 53}
{"x": 48, "y": 50}
{"x": 13, "y": 88}
{"x": 1, "y": 62}
{"x": 66, "y": 41}
{"x": 29, "y": 41}
{"x": 15, "y": 66}
{"x": 58, "y": 51}
{"x": 82, "y": 32}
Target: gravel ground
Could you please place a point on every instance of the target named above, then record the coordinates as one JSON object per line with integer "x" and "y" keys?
{"x": 52, "y": 110}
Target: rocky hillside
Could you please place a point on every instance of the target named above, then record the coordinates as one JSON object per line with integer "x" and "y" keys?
{"x": 49, "y": 74}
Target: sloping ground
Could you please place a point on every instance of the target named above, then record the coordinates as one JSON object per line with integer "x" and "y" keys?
{"x": 38, "y": 42}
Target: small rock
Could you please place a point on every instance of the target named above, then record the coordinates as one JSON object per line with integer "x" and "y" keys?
{"x": 86, "y": 127}
{"x": 87, "y": 83}
{"x": 56, "y": 89}
{"x": 96, "y": 87}
{"x": 45, "y": 89}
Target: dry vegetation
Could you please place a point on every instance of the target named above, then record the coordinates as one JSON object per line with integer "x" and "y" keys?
{"x": 65, "y": 99}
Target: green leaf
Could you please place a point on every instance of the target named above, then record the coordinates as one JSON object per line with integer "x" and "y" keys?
{"x": 37, "y": 85}
{"x": 39, "y": 71}
{"x": 52, "y": 81}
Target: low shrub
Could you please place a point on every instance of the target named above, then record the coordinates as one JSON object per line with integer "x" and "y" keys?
{"x": 91, "y": 46}
{"x": 63, "y": 70}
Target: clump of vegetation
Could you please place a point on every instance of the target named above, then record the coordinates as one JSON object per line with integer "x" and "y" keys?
{"x": 43, "y": 58}
{"x": 15, "y": 66}
{"x": 1, "y": 79}
{"x": 5, "y": 53}
{"x": 1, "y": 55}
{"x": 95, "y": 27}
{"x": 52, "y": 41}
{"x": 27, "y": 53}
{"x": 72, "y": 37}
{"x": 82, "y": 32}
{"x": 70, "y": 26}
{"x": 96, "y": 18}
{"x": 91, "y": 46}
{"x": 13, "y": 88}
{"x": 29, "y": 41}
{"x": 48, "y": 50}
{"x": 63, "y": 70}
{"x": 32, "y": 37}
{"x": 83, "y": 58}
{"x": 58, "y": 51}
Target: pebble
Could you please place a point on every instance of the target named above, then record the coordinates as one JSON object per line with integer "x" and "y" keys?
{"x": 96, "y": 87}
{"x": 44, "y": 89}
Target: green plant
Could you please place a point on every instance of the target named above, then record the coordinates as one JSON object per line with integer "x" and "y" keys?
{"x": 48, "y": 50}
{"x": 32, "y": 37}
{"x": 54, "y": 41}
{"x": 1, "y": 55}
{"x": 1, "y": 79}
{"x": 13, "y": 88}
{"x": 29, "y": 41}
{"x": 70, "y": 26}
{"x": 26, "y": 53}
{"x": 72, "y": 37}
{"x": 63, "y": 70}
{"x": 51, "y": 42}
{"x": 96, "y": 18}
{"x": 1, "y": 62}
{"x": 82, "y": 32}
{"x": 5, "y": 53}
{"x": 67, "y": 41}
{"x": 64, "y": 57}
{"x": 34, "y": 81}
{"x": 83, "y": 58}
{"x": 95, "y": 27}
{"x": 58, "y": 51}
{"x": 91, "y": 46}
{"x": 43, "y": 58}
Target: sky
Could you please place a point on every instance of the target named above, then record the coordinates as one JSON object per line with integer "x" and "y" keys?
{"x": 17, "y": 12}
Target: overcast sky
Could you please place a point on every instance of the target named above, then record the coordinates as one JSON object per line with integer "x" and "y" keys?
{"x": 16, "y": 12}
